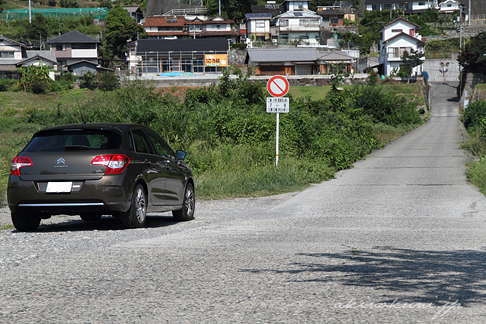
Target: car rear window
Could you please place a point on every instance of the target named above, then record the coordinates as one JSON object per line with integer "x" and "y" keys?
{"x": 72, "y": 139}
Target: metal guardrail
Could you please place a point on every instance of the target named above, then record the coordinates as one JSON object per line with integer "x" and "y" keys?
{"x": 183, "y": 12}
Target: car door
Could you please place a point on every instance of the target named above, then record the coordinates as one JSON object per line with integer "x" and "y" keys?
{"x": 175, "y": 177}
{"x": 155, "y": 172}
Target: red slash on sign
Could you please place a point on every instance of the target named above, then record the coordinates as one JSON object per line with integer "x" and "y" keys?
{"x": 278, "y": 86}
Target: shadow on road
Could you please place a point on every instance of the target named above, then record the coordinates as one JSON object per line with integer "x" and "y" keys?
{"x": 435, "y": 277}
{"x": 75, "y": 224}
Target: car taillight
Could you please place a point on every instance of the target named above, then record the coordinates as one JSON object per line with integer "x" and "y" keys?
{"x": 115, "y": 163}
{"x": 19, "y": 162}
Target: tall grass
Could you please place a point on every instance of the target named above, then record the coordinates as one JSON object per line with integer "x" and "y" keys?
{"x": 229, "y": 137}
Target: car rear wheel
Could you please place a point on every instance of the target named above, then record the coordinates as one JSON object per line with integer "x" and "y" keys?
{"x": 189, "y": 204}
{"x": 25, "y": 222}
{"x": 137, "y": 213}
{"x": 90, "y": 217}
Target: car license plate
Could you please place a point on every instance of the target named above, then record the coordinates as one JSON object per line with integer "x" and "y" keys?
{"x": 59, "y": 187}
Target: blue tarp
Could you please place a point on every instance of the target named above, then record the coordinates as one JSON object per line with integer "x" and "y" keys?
{"x": 171, "y": 74}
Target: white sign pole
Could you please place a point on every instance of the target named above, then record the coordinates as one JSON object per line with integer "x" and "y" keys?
{"x": 276, "y": 146}
{"x": 277, "y": 86}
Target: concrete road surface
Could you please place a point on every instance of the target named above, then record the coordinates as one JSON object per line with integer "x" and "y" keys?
{"x": 399, "y": 238}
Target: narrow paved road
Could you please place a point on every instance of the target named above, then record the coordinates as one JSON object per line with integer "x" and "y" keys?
{"x": 399, "y": 238}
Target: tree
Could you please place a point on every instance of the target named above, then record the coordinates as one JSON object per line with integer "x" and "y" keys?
{"x": 232, "y": 9}
{"x": 35, "y": 78}
{"x": 410, "y": 60}
{"x": 472, "y": 56}
{"x": 120, "y": 28}
{"x": 88, "y": 81}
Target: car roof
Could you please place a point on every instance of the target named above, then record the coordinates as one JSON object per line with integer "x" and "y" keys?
{"x": 120, "y": 126}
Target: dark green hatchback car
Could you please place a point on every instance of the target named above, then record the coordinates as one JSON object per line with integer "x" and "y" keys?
{"x": 123, "y": 170}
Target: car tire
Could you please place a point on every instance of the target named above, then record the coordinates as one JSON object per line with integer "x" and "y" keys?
{"x": 25, "y": 222}
{"x": 188, "y": 206}
{"x": 90, "y": 217}
{"x": 137, "y": 213}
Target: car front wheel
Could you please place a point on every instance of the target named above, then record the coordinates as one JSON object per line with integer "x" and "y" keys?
{"x": 137, "y": 213}
{"x": 189, "y": 204}
{"x": 25, "y": 222}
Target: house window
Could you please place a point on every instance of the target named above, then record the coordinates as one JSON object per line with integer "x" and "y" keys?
{"x": 387, "y": 6}
{"x": 60, "y": 47}
{"x": 298, "y": 5}
{"x": 260, "y": 24}
{"x": 405, "y": 49}
{"x": 334, "y": 20}
{"x": 218, "y": 27}
{"x": 393, "y": 52}
{"x": 375, "y": 7}
{"x": 7, "y": 54}
{"x": 337, "y": 68}
{"x": 303, "y": 69}
{"x": 421, "y": 3}
{"x": 397, "y": 30}
{"x": 195, "y": 27}
{"x": 284, "y": 23}
{"x": 304, "y": 23}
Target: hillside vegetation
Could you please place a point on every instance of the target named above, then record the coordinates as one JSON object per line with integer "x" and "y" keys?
{"x": 474, "y": 119}
{"x": 229, "y": 136}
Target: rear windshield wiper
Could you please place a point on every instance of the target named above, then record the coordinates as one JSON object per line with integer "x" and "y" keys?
{"x": 76, "y": 147}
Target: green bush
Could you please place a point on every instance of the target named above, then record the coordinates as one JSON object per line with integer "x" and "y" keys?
{"x": 88, "y": 81}
{"x": 474, "y": 114}
{"x": 238, "y": 45}
{"x": 384, "y": 107}
{"x": 230, "y": 137}
{"x": 7, "y": 84}
{"x": 108, "y": 81}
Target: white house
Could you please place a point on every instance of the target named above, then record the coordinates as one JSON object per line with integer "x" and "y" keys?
{"x": 291, "y": 5}
{"x": 448, "y": 6}
{"x": 407, "y": 5}
{"x": 397, "y": 37}
{"x": 301, "y": 26}
{"x": 258, "y": 26}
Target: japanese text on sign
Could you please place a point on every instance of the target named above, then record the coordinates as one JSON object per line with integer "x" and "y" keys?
{"x": 216, "y": 60}
{"x": 277, "y": 105}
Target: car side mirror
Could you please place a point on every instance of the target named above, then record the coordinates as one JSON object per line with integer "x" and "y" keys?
{"x": 180, "y": 155}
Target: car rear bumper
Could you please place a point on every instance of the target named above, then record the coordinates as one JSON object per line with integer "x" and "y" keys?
{"x": 104, "y": 195}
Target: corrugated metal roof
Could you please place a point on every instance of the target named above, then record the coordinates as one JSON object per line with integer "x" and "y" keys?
{"x": 282, "y": 55}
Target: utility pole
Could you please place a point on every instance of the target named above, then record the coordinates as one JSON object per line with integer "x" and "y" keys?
{"x": 460, "y": 26}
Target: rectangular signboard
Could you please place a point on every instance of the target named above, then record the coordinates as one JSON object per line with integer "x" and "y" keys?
{"x": 277, "y": 105}
{"x": 216, "y": 60}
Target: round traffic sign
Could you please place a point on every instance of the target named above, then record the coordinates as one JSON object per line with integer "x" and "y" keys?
{"x": 278, "y": 86}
